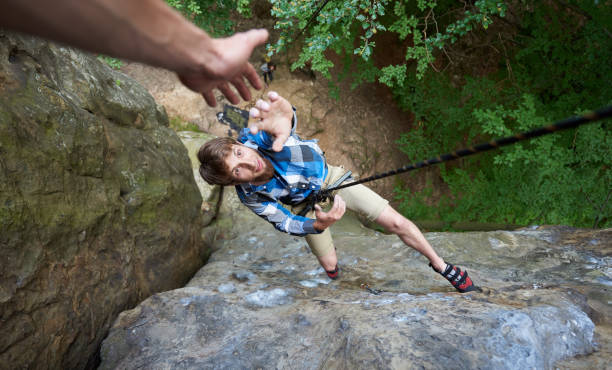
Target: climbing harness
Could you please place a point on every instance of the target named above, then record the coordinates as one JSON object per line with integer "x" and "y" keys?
{"x": 483, "y": 147}
{"x": 321, "y": 196}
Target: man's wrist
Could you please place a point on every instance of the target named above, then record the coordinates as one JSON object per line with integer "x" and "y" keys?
{"x": 319, "y": 226}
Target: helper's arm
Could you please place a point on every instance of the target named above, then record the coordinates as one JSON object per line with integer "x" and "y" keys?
{"x": 147, "y": 31}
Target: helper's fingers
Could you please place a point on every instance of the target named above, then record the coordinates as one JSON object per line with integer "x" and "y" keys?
{"x": 254, "y": 38}
{"x": 229, "y": 93}
{"x": 210, "y": 98}
{"x": 242, "y": 88}
{"x": 251, "y": 75}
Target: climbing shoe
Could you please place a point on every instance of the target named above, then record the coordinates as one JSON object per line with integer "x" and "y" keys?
{"x": 458, "y": 278}
{"x": 334, "y": 274}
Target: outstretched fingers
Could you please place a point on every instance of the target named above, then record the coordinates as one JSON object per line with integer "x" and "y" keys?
{"x": 227, "y": 63}
{"x": 273, "y": 96}
{"x": 260, "y": 113}
{"x": 279, "y": 142}
{"x": 274, "y": 117}
{"x": 255, "y": 125}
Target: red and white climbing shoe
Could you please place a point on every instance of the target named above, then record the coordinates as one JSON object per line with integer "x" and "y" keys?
{"x": 458, "y": 278}
{"x": 334, "y": 274}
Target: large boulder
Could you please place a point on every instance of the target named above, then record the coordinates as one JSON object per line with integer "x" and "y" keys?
{"x": 262, "y": 301}
{"x": 99, "y": 208}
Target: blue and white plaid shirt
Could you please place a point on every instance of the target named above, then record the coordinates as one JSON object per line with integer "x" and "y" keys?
{"x": 299, "y": 169}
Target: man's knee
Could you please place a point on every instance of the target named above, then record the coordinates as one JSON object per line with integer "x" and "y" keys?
{"x": 393, "y": 221}
{"x": 329, "y": 261}
{"x": 400, "y": 225}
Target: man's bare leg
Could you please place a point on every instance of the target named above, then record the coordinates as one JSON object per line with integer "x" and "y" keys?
{"x": 322, "y": 246}
{"x": 329, "y": 261}
{"x": 410, "y": 234}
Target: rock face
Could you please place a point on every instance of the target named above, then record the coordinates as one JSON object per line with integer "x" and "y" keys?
{"x": 98, "y": 205}
{"x": 262, "y": 301}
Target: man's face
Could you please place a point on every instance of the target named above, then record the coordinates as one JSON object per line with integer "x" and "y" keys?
{"x": 247, "y": 166}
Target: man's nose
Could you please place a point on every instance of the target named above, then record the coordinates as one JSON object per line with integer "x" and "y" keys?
{"x": 251, "y": 164}
{"x": 252, "y": 160}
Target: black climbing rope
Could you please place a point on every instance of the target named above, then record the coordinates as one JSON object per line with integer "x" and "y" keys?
{"x": 312, "y": 18}
{"x": 483, "y": 147}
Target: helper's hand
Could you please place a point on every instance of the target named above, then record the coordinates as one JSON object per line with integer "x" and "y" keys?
{"x": 228, "y": 63}
{"x": 274, "y": 118}
{"x": 326, "y": 219}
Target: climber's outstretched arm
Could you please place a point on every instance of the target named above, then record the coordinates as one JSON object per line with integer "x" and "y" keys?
{"x": 274, "y": 117}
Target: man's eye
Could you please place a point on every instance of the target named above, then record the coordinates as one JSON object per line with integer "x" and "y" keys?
{"x": 236, "y": 172}
{"x": 239, "y": 153}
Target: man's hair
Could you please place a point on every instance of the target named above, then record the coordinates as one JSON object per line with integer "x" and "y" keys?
{"x": 212, "y": 155}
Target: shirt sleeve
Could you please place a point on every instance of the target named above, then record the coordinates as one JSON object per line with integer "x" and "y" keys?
{"x": 279, "y": 216}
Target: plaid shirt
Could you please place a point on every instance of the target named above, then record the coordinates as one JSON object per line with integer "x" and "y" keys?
{"x": 299, "y": 169}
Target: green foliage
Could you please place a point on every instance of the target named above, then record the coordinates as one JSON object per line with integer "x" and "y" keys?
{"x": 561, "y": 68}
{"x": 349, "y": 27}
{"x": 556, "y": 63}
{"x": 416, "y": 204}
{"x": 179, "y": 124}
{"x": 110, "y": 61}
{"x": 213, "y": 16}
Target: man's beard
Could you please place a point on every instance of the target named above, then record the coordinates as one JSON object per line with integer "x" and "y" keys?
{"x": 268, "y": 171}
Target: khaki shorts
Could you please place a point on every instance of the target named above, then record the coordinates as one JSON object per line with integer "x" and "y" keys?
{"x": 358, "y": 198}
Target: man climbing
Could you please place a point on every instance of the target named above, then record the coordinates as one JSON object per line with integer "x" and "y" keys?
{"x": 268, "y": 69}
{"x": 274, "y": 171}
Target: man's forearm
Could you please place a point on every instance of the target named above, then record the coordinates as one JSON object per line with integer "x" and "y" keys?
{"x": 148, "y": 31}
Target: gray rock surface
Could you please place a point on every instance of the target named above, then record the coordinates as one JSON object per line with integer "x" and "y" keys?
{"x": 98, "y": 206}
{"x": 262, "y": 301}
